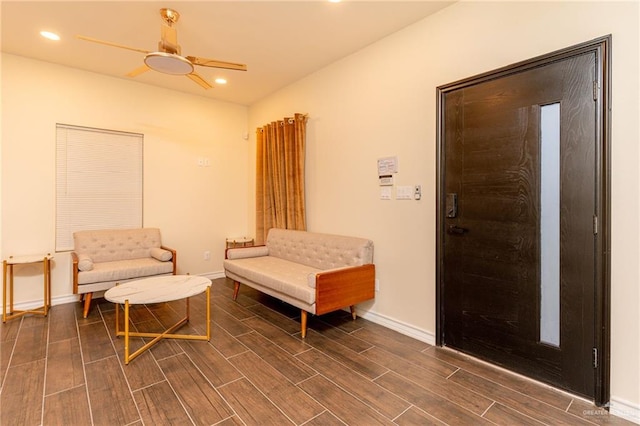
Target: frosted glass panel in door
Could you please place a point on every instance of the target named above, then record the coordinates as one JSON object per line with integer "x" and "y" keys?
{"x": 550, "y": 224}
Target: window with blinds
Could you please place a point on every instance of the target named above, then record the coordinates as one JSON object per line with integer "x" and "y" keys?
{"x": 98, "y": 181}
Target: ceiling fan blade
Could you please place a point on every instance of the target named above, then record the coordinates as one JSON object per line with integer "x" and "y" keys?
{"x": 216, "y": 64}
{"x": 138, "y": 71}
{"x": 198, "y": 79}
{"x": 109, "y": 43}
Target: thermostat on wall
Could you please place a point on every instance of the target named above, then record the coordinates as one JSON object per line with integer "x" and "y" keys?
{"x": 386, "y": 180}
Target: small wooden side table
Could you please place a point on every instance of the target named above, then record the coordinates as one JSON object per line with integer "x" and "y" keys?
{"x": 239, "y": 242}
{"x": 7, "y": 267}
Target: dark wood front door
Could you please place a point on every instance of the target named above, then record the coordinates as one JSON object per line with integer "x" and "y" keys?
{"x": 520, "y": 249}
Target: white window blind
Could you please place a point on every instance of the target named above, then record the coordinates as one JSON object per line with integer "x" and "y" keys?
{"x": 98, "y": 181}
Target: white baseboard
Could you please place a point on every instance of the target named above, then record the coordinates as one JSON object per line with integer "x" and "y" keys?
{"x": 625, "y": 409}
{"x": 399, "y": 326}
{"x": 61, "y": 300}
{"x": 68, "y": 298}
{"x": 34, "y": 304}
{"x": 213, "y": 275}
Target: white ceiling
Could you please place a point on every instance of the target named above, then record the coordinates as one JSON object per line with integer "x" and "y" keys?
{"x": 280, "y": 42}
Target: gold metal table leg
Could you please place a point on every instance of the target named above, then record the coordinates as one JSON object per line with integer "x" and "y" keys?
{"x": 4, "y": 291}
{"x": 167, "y": 334}
{"x": 117, "y": 319}
{"x": 126, "y": 331}
{"x": 11, "y": 288}
{"x": 208, "y": 314}
{"x": 47, "y": 284}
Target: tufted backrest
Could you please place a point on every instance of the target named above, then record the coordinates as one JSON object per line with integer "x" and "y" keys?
{"x": 322, "y": 251}
{"x": 106, "y": 245}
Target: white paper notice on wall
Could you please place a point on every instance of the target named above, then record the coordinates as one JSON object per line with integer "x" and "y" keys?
{"x": 385, "y": 192}
{"x": 387, "y": 165}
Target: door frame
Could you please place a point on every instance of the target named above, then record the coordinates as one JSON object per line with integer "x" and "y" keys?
{"x": 602, "y": 303}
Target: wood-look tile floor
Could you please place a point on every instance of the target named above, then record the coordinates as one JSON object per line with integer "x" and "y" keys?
{"x": 67, "y": 370}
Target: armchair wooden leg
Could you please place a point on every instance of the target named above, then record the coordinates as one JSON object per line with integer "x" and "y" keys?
{"x": 353, "y": 311}
{"x": 87, "y": 304}
{"x": 303, "y": 324}
{"x": 236, "y": 289}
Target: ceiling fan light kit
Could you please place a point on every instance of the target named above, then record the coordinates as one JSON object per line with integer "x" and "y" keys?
{"x": 168, "y": 63}
{"x": 168, "y": 58}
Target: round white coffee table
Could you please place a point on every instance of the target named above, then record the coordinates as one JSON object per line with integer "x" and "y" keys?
{"x": 163, "y": 288}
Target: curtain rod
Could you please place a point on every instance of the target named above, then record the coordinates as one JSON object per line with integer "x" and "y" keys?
{"x": 290, "y": 120}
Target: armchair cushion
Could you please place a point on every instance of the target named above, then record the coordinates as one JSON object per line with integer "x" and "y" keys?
{"x": 119, "y": 270}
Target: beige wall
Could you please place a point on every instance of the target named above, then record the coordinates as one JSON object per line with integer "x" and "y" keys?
{"x": 381, "y": 102}
{"x": 194, "y": 207}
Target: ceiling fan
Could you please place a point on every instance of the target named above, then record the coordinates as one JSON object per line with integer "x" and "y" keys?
{"x": 168, "y": 58}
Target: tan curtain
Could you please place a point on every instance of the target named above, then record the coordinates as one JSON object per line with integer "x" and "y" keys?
{"x": 280, "y": 176}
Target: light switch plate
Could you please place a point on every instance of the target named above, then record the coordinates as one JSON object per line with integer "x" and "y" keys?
{"x": 404, "y": 193}
{"x": 385, "y": 192}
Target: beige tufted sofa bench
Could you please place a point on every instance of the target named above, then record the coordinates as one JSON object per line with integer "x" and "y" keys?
{"x": 102, "y": 258}
{"x": 318, "y": 273}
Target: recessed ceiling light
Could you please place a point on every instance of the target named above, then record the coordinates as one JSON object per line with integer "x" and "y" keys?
{"x": 221, "y": 81}
{"x": 49, "y": 35}
{"x": 334, "y": 1}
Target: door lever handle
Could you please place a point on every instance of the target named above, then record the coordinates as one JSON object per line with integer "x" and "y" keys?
{"x": 453, "y": 229}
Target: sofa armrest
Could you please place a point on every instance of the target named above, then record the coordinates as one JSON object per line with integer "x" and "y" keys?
{"x": 338, "y": 288}
{"x": 245, "y": 252}
{"x": 160, "y": 254}
{"x": 173, "y": 257}
{"x": 74, "y": 271}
